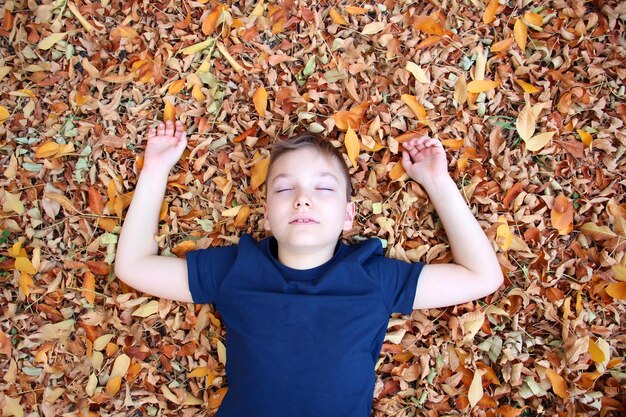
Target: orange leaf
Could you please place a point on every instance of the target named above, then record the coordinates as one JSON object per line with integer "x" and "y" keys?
{"x": 107, "y": 224}
{"x": 480, "y": 86}
{"x": 352, "y": 144}
{"x": 199, "y": 372}
{"x": 559, "y": 386}
{"x": 533, "y": 19}
{"x": 354, "y": 10}
{"x": 113, "y": 386}
{"x": 169, "y": 113}
{"x": 508, "y": 411}
{"x": 196, "y": 92}
{"x": 502, "y": 46}
{"x": 617, "y": 290}
{"x": 259, "y": 173}
{"x": 95, "y": 200}
{"x": 562, "y": 214}
{"x": 210, "y": 23}
{"x": 176, "y": 86}
{"x": 454, "y": 144}
{"x": 416, "y": 108}
{"x": 89, "y": 287}
{"x": 351, "y": 118}
{"x": 242, "y": 217}
{"x": 184, "y": 247}
{"x": 520, "y": 32}
{"x": 504, "y": 237}
{"x": 25, "y": 281}
{"x": 260, "y": 100}
{"x": 47, "y": 150}
{"x": 405, "y": 137}
{"x": 337, "y": 18}
{"x": 490, "y": 12}
{"x": 427, "y": 24}
{"x": 428, "y": 42}
{"x": 397, "y": 171}
{"x": 215, "y": 400}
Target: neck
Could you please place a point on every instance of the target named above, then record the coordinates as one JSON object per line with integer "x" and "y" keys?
{"x": 305, "y": 259}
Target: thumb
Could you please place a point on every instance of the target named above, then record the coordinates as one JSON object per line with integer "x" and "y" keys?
{"x": 406, "y": 160}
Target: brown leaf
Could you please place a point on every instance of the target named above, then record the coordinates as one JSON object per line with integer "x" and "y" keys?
{"x": 562, "y": 214}
{"x": 95, "y": 201}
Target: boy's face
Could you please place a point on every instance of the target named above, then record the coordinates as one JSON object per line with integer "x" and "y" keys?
{"x": 306, "y": 207}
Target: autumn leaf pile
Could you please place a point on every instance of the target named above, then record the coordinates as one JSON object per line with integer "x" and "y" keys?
{"x": 528, "y": 99}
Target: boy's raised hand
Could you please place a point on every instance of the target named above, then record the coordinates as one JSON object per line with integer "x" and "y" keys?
{"x": 166, "y": 144}
{"x": 424, "y": 159}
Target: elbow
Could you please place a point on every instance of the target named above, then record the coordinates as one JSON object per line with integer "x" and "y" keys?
{"x": 497, "y": 279}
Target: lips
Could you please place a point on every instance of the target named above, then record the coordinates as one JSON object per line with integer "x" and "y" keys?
{"x": 303, "y": 219}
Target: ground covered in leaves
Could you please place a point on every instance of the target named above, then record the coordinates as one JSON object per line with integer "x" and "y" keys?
{"x": 528, "y": 100}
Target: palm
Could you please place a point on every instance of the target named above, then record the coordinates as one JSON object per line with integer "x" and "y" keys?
{"x": 166, "y": 144}
{"x": 424, "y": 159}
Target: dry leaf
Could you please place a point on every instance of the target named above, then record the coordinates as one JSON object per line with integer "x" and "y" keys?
{"x": 528, "y": 88}
{"x": 169, "y": 113}
{"x": 559, "y": 386}
{"x": 481, "y": 86}
{"x": 537, "y": 142}
{"x": 460, "y": 89}
{"x": 520, "y": 33}
{"x": 337, "y": 18}
{"x": 373, "y": 28}
{"x": 417, "y": 72}
{"x": 526, "y": 122}
{"x": 51, "y": 40}
{"x": 260, "y": 100}
{"x": 490, "y": 15}
{"x": 475, "y": 392}
{"x": 562, "y": 214}
{"x": 502, "y": 46}
{"x": 259, "y": 173}
{"x": 352, "y": 144}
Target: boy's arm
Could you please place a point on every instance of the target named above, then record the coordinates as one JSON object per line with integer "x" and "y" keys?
{"x": 136, "y": 260}
{"x": 476, "y": 271}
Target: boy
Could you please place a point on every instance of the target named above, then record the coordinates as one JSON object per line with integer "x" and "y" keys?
{"x": 305, "y": 314}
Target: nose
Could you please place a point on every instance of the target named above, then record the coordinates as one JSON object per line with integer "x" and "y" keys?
{"x": 302, "y": 201}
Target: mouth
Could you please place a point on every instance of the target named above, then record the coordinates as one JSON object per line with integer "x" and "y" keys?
{"x": 303, "y": 220}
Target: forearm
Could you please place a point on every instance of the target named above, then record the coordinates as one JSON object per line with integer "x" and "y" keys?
{"x": 141, "y": 223}
{"x": 470, "y": 246}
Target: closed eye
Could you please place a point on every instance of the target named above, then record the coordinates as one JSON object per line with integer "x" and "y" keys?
{"x": 282, "y": 190}
{"x": 325, "y": 189}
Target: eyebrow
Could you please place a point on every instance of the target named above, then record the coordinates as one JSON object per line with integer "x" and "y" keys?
{"x": 319, "y": 174}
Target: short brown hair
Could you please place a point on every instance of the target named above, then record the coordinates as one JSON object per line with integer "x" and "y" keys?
{"x": 313, "y": 140}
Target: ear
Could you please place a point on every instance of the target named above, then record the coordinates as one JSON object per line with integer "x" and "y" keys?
{"x": 266, "y": 220}
{"x": 350, "y": 212}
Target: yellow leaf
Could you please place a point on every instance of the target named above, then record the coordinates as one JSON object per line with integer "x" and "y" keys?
{"x": 229, "y": 58}
{"x": 24, "y": 92}
{"x": 480, "y": 86}
{"x": 16, "y": 250}
{"x": 258, "y": 9}
{"x": 537, "y": 142}
{"x": 199, "y": 372}
{"x": 148, "y": 309}
{"x": 12, "y": 407}
{"x": 416, "y": 108}
{"x": 502, "y": 46}
{"x": 196, "y": 92}
{"x": 337, "y": 18}
{"x": 169, "y": 113}
{"x": 619, "y": 272}
{"x": 526, "y": 123}
{"x": 101, "y": 342}
{"x": 259, "y": 173}
{"x": 113, "y": 386}
{"x": 4, "y": 114}
{"x": 51, "y": 40}
{"x": 47, "y": 150}
{"x": 231, "y": 212}
{"x": 221, "y": 352}
{"x": 88, "y": 27}
{"x": 176, "y": 86}
{"x": 260, "y": 100}
{"x": 504, "y": 237}
{"x": 617, "y": 290}
{"x": 585, "y": 137}
{"x": 198, "y": 47}
{"x": 520, "y": 33}
{"x": 417, "y": 72}
{"x": 121, "y": 364}
{"x": 527, "y": 87}
{"x": 24, "y": 265}
{"x": 490, "y": 12}
{"x": 559, "y": 386}
{"x": 397, "y": 172}
{"x": 13, "y": 203}
{"x": 25, "y": 281}
{"x": 460, "y": 89}
{"x": 65, "y": 149}
{"x": 373, "y": 28}
{"x": 351, "y": 142}
{"x": 191, "y": 400}
{"x": 475, "y": 392}
{"x": 596, "y": 353}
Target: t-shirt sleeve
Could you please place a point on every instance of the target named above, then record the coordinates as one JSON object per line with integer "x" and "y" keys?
{"x": 206, "y": 269}
{"x": 398, "y": 281}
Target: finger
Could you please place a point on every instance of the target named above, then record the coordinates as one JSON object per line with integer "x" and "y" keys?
{"x": 179, "y": 129}
{"x": 169, "y": 128}
{"x": 182, "y": 142}
{"x": 152, "y": 132}
{"x": 160, "y": 129}
{"x": 406, "y": 161}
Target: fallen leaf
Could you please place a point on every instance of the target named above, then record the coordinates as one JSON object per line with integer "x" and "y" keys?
{"x": 520, "y": 33}
{"x": 537, "y": 142}
{"x": 562, "y": 214}
{"x": 169, "y": 113}
{"x": 417, "y": 72}
{"x": 260, "y": 100}
{"x": 51, "y": 40}
{"x": 352, "y": 144}
{"x": 481, "y": 86}
{"x": 559, "y": 386}
{"x": 373, "y": 28}
{"x": 337, "y": 18}
{"x": 526, "y": 122}
{"x": 489, "y": 16}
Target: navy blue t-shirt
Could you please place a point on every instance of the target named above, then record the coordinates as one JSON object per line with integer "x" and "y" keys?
{"x": 301, "y": 342}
